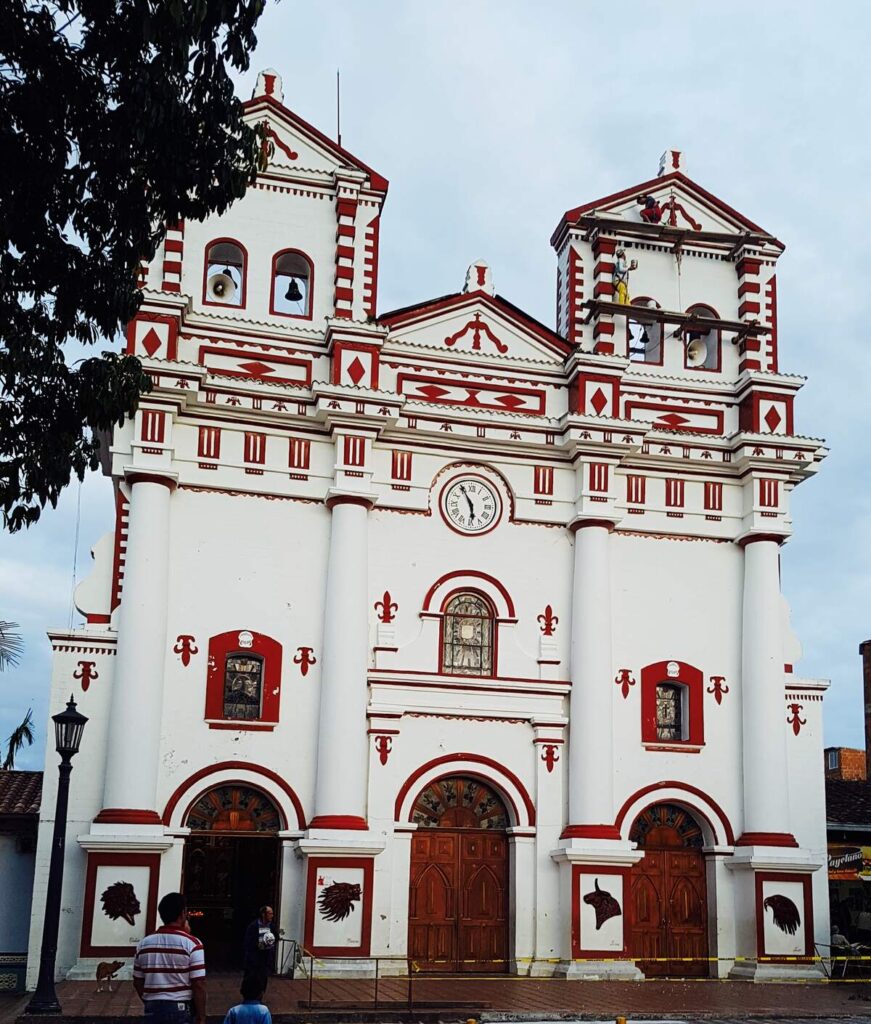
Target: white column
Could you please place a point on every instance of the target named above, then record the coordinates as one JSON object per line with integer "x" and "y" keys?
{"x": 132, "y": 756}
{"x": 590, "y": 753}
{"x": 342, "y": 777}
{"x": 766, "y": 794}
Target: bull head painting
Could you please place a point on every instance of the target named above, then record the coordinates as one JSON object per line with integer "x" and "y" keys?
{"x": 603, "y": 903}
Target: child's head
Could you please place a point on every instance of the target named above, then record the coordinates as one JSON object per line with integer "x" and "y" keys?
{"x": 251, "y": 989}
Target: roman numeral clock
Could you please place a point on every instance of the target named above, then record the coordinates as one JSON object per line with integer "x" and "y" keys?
{"x": 471, "y": 505}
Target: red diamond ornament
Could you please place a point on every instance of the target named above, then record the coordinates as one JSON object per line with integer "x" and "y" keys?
{"x": 598, "y": 401}
{"x": 773, "y": 419}
{"x": 673, "y": 419}
{"x": 510, "y": 401}
{"x": 432, "y": 391}
{"x": 151, "y": 342}
{"x": 356, "y": 371}
{"x": 256, "y": 369}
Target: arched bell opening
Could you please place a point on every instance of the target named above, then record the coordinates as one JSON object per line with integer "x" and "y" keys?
{"x": 231, "y": 867}
{"x": 458, "y": 897}
{"x": 669, "y": 921}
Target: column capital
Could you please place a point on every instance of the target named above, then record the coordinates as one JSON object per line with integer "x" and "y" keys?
{"x": 338, "y": 497}
{"x": 135, "y": 475}
{"x": 582, "y": 522}
{"x": 752, "y": 538}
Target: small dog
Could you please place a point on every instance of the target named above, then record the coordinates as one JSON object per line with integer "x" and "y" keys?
{"x": 106, "y": 971}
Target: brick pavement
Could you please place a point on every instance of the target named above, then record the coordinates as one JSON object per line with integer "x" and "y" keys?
{"x": 505, "y": 998}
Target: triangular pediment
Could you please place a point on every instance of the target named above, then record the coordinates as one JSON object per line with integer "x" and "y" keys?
{"x": 475, "y": 328}
{"x": 296, "y": 146}
{"x": 674, "y": 201}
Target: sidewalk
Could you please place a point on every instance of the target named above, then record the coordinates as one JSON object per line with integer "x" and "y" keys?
{"x": 492, "y": 999}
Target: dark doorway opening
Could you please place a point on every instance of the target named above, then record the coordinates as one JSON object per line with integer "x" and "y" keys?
{"x": 231, "y": 869}
{"x": 669, "y": 936}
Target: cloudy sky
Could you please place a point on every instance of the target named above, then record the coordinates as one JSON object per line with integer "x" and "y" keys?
{"x": 490, "y": 119}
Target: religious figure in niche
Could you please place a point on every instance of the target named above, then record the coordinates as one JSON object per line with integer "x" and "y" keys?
{"x": 119, "y": 901}
{"x": 243, "y": 686}
{"x": 669, "y": 712}
{"x": 622, "y": 267}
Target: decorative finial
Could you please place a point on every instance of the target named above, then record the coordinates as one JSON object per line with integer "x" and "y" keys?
{"x": 479, "y": 278}
{"x": 672, "y": 160}
{"x": 269, "y": 84}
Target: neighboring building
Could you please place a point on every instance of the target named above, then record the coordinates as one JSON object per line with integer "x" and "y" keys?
{"x": 844, "y": 763}
{"x": 20, "y": 794}
{"x": 455, "y": 636}
{"x": 848, "y": 825}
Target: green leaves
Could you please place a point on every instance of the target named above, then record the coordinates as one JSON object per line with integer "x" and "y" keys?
{"x": 122, "y": 122}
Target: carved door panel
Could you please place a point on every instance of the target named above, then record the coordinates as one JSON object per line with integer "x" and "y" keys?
{"x": 670, "y": 914}
{"x": 648, "y": 917}
{"x": 483, "y": 919}
{"x": 432, "y": 904}
{"x": 687, "y": 913}
{"x": 458, "y": 901}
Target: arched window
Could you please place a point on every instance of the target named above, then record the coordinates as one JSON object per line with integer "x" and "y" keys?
{"x": 643, "y": 334}
{"x": 669, "y": 711}
{"x": 459, "y": 802}
{"x": 224, "y": 279}
{"x": 701, "y": 344}
{"x": 292, "y": 279}
{"x": 243, "y": 686}
{"x": 467, "y": 636}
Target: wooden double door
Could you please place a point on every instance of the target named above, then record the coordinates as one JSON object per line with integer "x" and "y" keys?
{"x": 458, "y": 900}
{"x": 669, "y": 923}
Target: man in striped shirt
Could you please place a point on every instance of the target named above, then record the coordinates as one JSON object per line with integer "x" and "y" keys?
{"x": 169, "y": 970}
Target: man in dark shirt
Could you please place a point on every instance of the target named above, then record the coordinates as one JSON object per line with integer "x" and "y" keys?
{"x": 259, "y": 948}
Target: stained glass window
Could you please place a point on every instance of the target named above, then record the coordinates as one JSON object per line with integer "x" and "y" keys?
{"x": 233, "y": 809}
{"x": 243, "y": 686}
{"x": 666, "y": 825}
{"x": 459, "y": 803}
{"x": 669, "y": 712}
{"x": 467, "y": 649}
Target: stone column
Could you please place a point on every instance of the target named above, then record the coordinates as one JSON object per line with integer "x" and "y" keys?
{"x": 766, "y": 792}
{"x": 342, "y": 762}
{"x": 590, "y": 753}
{"x": 133, "y": 747}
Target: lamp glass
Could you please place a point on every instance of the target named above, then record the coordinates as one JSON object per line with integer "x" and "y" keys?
{"x": 68, "y": 728}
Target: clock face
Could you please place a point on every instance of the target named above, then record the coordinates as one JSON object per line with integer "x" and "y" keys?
{"x": 471, "y": 505}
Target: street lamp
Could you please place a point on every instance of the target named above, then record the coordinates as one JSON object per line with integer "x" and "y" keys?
{"x": 68, "y": 728}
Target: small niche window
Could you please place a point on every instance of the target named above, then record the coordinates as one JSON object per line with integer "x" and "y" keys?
{"x": 644, "y": 334}
{"x": 225, "y": 274}
{"x": 291, "y": 284}
{"x": 243, "y": 681}
{"x": 467, "y": 638}
{"x": 669, "y": 712}
{"x": 672, "y": 706}
{"x": 243, "y": 686}
{"x": 701, "y": 343}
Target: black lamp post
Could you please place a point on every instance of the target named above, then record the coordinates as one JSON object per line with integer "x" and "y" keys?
{"x": 68, "y": 728}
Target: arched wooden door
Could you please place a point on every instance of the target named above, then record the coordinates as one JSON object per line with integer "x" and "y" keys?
{"x": 669, "y": 931}
{"x": 458, "y": 899}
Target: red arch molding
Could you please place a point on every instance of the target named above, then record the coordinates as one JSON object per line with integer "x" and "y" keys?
{"x": 222, "y": 766}
{"x": 475, "y": 759}
{"x": 474, "y": 574}
{"x": 655, "y": 786}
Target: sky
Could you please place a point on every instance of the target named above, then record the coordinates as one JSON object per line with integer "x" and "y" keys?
{"x": 492, "y": 118}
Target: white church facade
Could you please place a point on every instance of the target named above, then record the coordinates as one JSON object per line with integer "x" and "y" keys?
{"x": 457, "y": 637}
